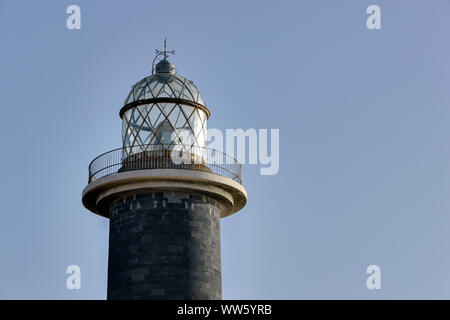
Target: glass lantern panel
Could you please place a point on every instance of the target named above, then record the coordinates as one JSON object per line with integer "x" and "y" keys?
{"x": 177, "y": 87}
{"x": 188, "y": 93}
{"x": 174, "y": 118}
{"x": 156, "y": 88}
{"x": 147, "y": 125}
{"x": 204, "y": 138}
{"x": 155, "y": 116}
{"x": 200, "y": 99}
{"x": 187, "y": 110}
{"x": 166, "y": 108}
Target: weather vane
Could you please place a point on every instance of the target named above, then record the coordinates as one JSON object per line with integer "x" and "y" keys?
{"x": 165, "y": 52}
{"x": 160, "y": 52}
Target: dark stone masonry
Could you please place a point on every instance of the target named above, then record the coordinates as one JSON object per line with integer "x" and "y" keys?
{"x": 164, "y": 245}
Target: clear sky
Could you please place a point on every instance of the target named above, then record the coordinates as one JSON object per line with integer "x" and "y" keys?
{"x": 364, "y": 139}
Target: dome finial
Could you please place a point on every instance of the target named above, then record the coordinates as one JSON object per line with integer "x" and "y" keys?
{"x": 164, "y": 52}
{"x": 165, "y": 48}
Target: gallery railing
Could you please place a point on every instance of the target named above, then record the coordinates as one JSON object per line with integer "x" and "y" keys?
{"x": 165, "y": 157}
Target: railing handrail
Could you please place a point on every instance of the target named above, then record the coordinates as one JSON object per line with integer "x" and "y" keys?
{"x": 120, "y": 159}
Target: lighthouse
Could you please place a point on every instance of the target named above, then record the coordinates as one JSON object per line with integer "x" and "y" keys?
{"x": 164, "y": 192}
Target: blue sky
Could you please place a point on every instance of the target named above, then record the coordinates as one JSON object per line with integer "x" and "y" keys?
{"x": 364, "y": 141}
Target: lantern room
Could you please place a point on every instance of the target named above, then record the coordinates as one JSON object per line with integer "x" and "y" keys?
{"x": 164, "y": 110}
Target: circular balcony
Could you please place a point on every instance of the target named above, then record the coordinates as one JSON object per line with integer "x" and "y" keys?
{"x": 165, "y": 157}
{"x": 162, "y": 167}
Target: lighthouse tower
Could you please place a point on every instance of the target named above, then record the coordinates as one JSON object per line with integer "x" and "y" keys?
{"x": 164, "y": 193}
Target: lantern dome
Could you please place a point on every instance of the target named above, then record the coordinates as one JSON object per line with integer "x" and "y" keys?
{"x": 165, "y": 83}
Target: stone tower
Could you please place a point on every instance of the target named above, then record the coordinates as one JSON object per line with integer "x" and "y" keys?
{"x": 164, "y": 192}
